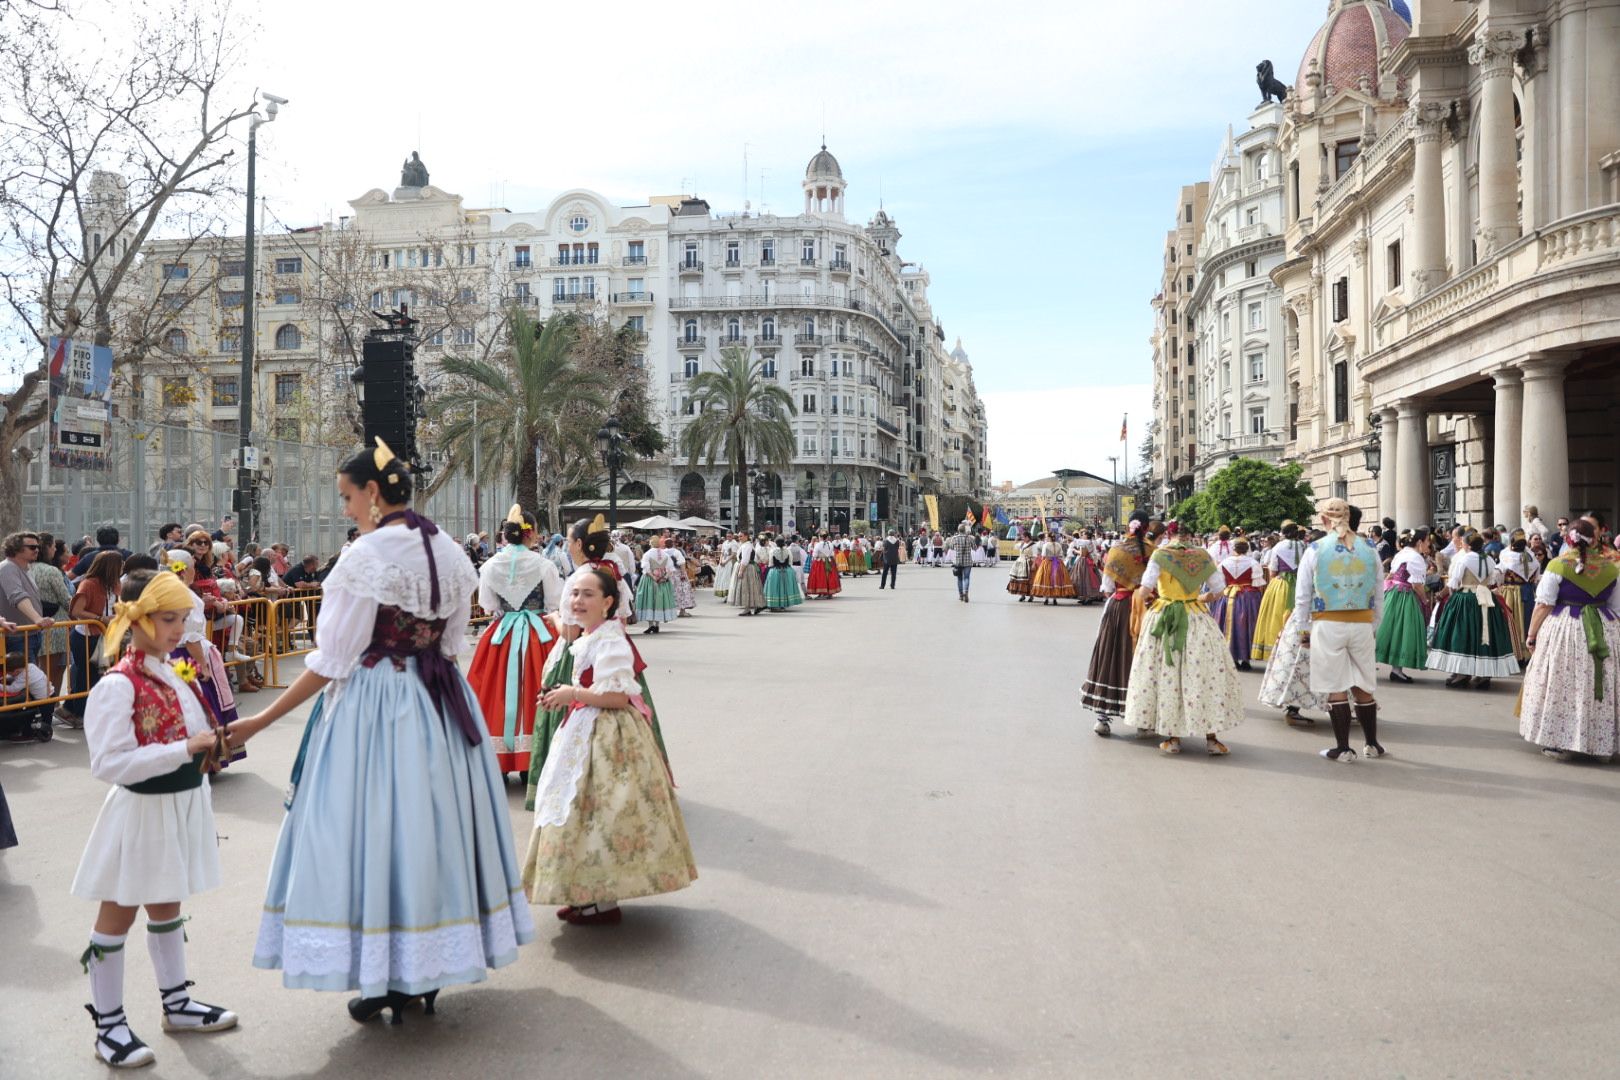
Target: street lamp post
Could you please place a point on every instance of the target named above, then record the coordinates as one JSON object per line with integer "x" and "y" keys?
{"x": 1113, "y": 462}
{"x": 610, "y": 444}
{"x": 245, "y": 509}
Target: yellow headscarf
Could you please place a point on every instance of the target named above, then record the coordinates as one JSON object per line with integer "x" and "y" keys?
{"x": 165, "y": 592}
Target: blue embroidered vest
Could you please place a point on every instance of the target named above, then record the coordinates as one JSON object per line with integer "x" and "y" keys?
{"x": 1345, "y": 577}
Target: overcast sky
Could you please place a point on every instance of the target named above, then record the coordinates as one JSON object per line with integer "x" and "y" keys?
{"x": 1031, "y": 153}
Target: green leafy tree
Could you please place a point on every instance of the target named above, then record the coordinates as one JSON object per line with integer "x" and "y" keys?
{"x": 1191, "y": 512}
{"x": 536, "y": 414}
{"x": 740, "y": 417}
{"x": 1254, "y": 495}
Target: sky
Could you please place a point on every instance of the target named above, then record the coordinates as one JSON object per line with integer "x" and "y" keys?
{"x": 1032, "y": 154}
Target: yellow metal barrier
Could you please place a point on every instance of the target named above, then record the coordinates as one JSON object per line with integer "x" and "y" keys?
{"x": 255, "y": 642}
{"x": 292, "y": 620}
{"x": 14, "y": 664}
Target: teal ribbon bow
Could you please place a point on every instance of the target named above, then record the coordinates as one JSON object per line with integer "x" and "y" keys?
{"x": 520, "y": 622}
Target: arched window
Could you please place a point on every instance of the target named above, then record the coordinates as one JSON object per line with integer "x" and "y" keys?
{"x": 727, "y": 483}
{"x": 692, "y": 484}
{"x": 690, "y": 330}
{"x": 767, "y": 328}
{"x": 810, "y": 326}
{"x": 635, "y": 489}
{"x": 733, "y": 329}
{"x": 177, "y": 341}
{"x": 288, "y": 337}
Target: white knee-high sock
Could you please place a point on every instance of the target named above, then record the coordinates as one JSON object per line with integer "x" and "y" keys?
{"x": 167, "y": 944}
{"x": 104, "y": 961}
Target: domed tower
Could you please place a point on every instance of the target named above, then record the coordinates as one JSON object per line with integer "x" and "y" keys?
{"x": 106, "y": 210}
{"x": 1350, "y": 51}
{"x": 824, "y": 185}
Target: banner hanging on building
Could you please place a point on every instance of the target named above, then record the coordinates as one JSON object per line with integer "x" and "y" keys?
{"x": 80, "y": 396}
{"x": 932, "y": 502}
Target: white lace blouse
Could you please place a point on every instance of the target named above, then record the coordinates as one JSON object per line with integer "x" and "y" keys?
{"x": 388, "y": 567}
{"x": 606, "y": 652}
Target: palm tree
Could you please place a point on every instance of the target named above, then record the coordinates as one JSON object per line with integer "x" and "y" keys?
{"x": 740, "y": 415}
{"x": 536, "y": 414}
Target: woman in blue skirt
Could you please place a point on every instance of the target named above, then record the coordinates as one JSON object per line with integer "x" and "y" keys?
{"x": 395, "y": 873}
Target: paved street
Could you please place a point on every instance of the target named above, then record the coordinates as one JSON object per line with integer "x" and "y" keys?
{"x": 917, "y": 860}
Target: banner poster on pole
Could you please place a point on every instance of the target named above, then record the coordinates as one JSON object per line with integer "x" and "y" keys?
{"x": 932, "y": 502}
{"x": 1127, "y": 505}
{"x": 80, "y": 396}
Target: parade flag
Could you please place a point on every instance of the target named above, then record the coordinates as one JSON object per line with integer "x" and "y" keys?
{"x": 1001, "y": 517}
{"x": 985, "y": 520}
{"x": 932, "y": 502}
{"x": 1122, "y": 426}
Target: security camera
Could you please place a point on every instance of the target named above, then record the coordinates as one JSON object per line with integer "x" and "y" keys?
{"x": 278, "y": 99}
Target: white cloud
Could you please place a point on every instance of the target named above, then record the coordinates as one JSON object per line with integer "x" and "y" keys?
{"x": 1073, "y": 427}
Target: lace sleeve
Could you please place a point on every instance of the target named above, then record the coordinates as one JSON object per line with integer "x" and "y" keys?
{"x": 345, "y": 628}
{"x": 613, "y": 668}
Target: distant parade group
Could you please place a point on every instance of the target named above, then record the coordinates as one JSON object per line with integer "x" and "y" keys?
{"x": 396, "y": 872}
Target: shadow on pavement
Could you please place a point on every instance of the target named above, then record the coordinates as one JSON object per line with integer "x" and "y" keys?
{"x": 489, "y": 1031}
{"x": 28, "y": 963}
{"x": 716, "y": 958}
{"x": 727, "y": 840}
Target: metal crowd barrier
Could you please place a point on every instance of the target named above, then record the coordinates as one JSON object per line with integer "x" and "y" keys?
{"x": 292, "y": 623}
{"x": 20, "y": 701}
{"x": 272, "y": 631}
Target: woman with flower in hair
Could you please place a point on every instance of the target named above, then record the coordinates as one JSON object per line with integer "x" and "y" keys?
{"x": 1183, "y": 683}
{"x": 1571, "y": 700}
{"x": 395, "y": 873}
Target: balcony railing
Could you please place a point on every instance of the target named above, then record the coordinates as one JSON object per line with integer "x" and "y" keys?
{"x": 691, "y": 266}
{"x": 633, "y": 260}
{"x": 581, "y": 297}
{"x": 839, "y": 266}
{"x": 522, "y": 300}
{"x": 520, "y": 264}
{"x": 733, "y": 264}
{"x": 689, "y": 343}
{"x": 575, "y": 260}
{"x": 767, "y": 262}
{"x": 640, "y": 297}
{"x": 807, "y": 262}
{"x": 884, "y": 425}
{"x": 809, "y": 341}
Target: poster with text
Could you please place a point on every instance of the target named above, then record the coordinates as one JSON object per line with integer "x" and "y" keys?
{"x": 80, "y": 404}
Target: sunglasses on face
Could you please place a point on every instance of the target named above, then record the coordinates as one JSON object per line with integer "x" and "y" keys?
{"x": 30, "y": 547}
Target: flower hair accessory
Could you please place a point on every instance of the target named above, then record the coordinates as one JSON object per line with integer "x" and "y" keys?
{"x": 1574, "y": 538}
{"x": 1135, "y": 527}
{"x": 177, "y": 567}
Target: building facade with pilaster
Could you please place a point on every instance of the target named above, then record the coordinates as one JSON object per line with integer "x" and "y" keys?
{"x": 1452, "y": 273}
{"x": 1175, "y": 356}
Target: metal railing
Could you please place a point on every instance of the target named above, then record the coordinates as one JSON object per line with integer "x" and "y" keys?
{"x": 291, "y": 629}
{"x": 33, "y": 639}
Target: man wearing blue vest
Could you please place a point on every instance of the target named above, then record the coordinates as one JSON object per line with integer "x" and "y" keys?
{"x": 1338, "y": 600}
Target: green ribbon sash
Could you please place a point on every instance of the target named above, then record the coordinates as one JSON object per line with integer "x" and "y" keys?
{"x": 1597, "y": 645}
{"x": 1171, "y": 627}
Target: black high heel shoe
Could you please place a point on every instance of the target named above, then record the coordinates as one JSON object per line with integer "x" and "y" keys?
{"x": 363, "y": 1009}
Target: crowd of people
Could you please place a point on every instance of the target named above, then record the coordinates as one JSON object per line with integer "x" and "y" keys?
{"x": 1322, "y": 606}
{"x": 396, "y": 872}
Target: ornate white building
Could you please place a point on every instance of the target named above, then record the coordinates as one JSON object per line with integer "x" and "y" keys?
{"x": 885, "y": 414}
{"x": 1453, "y": 264}
{"x": 1235, "y": 309}
{"x": 1175, "y": 355}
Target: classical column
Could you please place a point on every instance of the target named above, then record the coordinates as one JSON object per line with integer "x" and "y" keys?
{"x": 1429, "y": 201}
{"x": 1544, "y": 443}
{"x": 1412, "y": 466}
{"x": 1505, "y": 448}
{"x": 1492, "y": 52}
{"x": 1389, "y": 429}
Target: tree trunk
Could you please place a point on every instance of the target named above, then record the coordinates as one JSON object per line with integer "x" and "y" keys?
{"x": 528, "y": 481}
{"x": 740, "y": 476}
{"x": 13, "y": 478}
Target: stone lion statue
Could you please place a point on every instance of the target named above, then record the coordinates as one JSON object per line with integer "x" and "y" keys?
{"x": 1270, "y": 85}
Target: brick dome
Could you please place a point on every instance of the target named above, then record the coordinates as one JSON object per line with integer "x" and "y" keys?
{"x": 1349, "y": 43}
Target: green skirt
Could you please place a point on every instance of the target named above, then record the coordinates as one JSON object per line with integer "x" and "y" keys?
{"x": 1403, "y": 636}
{"x": 548, "y": 721}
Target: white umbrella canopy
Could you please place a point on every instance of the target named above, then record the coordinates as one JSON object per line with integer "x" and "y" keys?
{"x": 654, "y": 523}
{"x": 699, "y": 523}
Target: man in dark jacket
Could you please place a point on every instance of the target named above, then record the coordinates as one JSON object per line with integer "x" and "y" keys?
{"x": 889, "y": 559}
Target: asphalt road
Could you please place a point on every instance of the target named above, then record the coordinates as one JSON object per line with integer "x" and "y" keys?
{"x": 917, "y": 860}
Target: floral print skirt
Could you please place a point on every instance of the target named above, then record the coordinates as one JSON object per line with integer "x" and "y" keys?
{"x": 1559, "y": 709}
{"x": 1287, "y": 684}
{"x": 624, "y": 836}
{"x": 1196, "y": 695}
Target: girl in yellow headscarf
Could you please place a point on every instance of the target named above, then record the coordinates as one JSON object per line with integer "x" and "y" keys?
{"x": 154, "y": 843}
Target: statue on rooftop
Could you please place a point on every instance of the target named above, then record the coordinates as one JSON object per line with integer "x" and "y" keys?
{"x": 413, "y": 174}
{"x": 1270, "y": 85}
